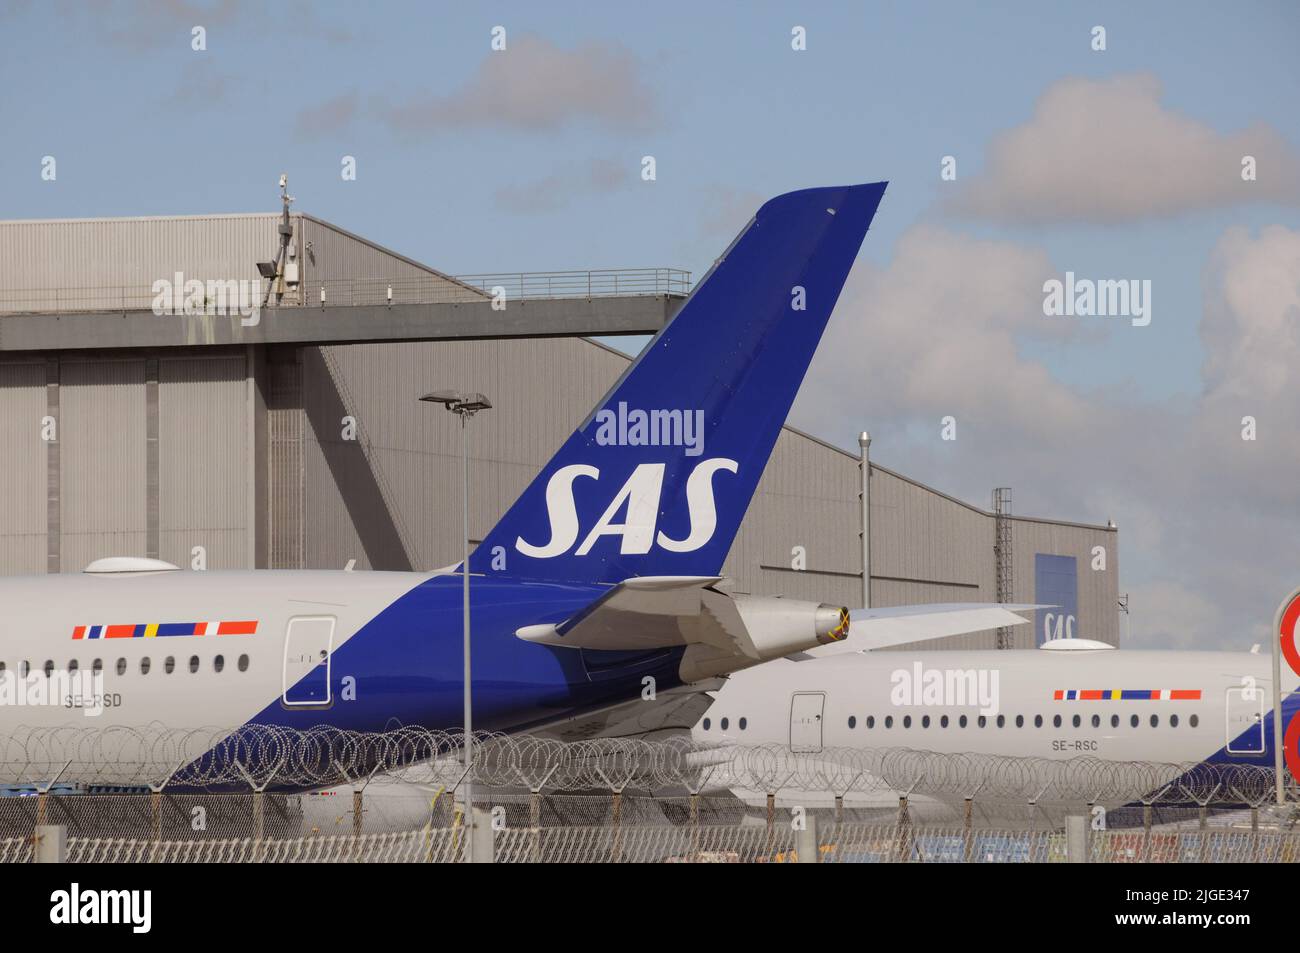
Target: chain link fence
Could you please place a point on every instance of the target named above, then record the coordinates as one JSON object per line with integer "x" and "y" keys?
{"x": 277, "y": 795}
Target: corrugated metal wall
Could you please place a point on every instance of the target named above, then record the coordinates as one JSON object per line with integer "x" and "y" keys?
{"x": 89, "y": 264}
{"x": 23, "y": 501}
{"x": 102, "y": 472}
{"x": 101, "y": 489}
{"x": 391, "y": 498}
{"x": 111, "y": 263}
{"x": 203, "y": 461}
{"x": 285, "y": 426}
{"x": 805, "y": 513}
{"x": 336, "y": 253}
{"x": 1098, "y": 588}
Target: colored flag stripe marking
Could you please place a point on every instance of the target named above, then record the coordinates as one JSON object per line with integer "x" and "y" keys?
{"x": 150, "y": 630}
{"x": 1127, "y": 694}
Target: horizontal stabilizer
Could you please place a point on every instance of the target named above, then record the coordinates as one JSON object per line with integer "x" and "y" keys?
{"x": 721, "y": 633}
{"x": 643, "y": 612}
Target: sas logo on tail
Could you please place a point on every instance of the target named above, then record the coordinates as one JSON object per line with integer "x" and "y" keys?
{"x": 639, "y": 498}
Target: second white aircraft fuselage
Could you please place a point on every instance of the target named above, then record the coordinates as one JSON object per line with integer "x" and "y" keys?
{"x": 1105, "y": 703}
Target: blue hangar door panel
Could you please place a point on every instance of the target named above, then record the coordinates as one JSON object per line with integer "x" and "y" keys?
{"x": 1056, "y": 583}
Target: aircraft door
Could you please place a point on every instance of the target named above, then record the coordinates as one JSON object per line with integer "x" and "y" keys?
{"x": 308, "y": 641}
{"x": 806, "y": 709}
{"x": 1244, "y": 721}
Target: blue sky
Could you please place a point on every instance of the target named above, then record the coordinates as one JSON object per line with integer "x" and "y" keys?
{"x": 142, "y": 124}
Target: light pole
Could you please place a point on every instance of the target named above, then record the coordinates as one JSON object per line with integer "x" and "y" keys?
{"x": 465, "y": 405}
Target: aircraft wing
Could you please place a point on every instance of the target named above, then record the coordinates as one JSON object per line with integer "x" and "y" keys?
{"x": 902, "y": 625}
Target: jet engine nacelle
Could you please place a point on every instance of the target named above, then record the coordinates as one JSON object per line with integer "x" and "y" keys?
{"x": 766, "y": 628}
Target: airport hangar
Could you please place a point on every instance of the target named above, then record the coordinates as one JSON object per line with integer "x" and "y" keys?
{"x": 298, "y": 441}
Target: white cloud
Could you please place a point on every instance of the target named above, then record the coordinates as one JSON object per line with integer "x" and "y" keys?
{"x": 535, "y": 85}
{"x": 1109, "y": 151}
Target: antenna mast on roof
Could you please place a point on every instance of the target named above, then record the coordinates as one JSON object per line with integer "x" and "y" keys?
{"x": 274, "y": 270}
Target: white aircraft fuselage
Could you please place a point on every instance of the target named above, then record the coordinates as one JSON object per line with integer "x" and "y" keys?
{"x": 1170, "y": 706}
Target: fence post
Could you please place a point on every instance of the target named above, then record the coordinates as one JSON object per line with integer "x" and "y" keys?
{"x": 695, "y": 827}
{"x": 51, "y": 845}
{"x": 1146, "y": 832}
{"x": 904, "y": 830}
{"x": 259, "y": 824}
{"x": 616, "y": 849}
{"x": 155, "y": 823}
{"x": 838, "y": 837}
{"x": 485, "y": 837}
{"x": 968, "y": 842}
{"x": 1076, "y": 838}
{"x": 1254, "y": 833}
{"x": 535, "y": 822}
{"x": 805, "y": 841}
{"x": 771, "y": 825}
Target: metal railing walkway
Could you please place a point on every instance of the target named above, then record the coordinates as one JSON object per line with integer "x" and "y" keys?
{"x": 335, "y": 292}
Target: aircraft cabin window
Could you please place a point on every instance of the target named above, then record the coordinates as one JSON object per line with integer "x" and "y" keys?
{"x": 961, "y": 722}
{"x": 723, "y": 725}
{"x": 1173, "y": 721}
{"x": 49, "y": 667}
{"x": 144, "y": 665}
{"x": 1002, "y": 721}
{"x": 1056, "y": 721}
{"x": 853, "y": 721}
{"x": 73, "y": 666}
{"x": 1114, "y": 721}
{"x": 1096, "y": 721}
{"x": 1155, "y": 721}
{"x": 907, "y": 721}
{"x": 1194, "y": 721}
{"x": 889, "y": 721}
{"x": 925, "y": 721}
{"x": 744, "y": 723}
{"x": 218, "y": 662}
{"x": 1133, "y": 721}
{"x": 194, "y": 664}
{"x": 871, "y": 721}
{"x": 1038, "y": 721}
{"x": 23, "y": 668}
{"x": 943, "y": 721}
{"x": 1076, "y": 721}
{"x": 706, "y": 724}
{"x": 982, "y": 721}
{"x": 97, "y": 666}
{"x": 243, "y": 666}
{"x": 121, "y": 666}
{"x": 169, "y": 664}
{"x": 1020, "y": 721}
{"x": 2, "y": 668}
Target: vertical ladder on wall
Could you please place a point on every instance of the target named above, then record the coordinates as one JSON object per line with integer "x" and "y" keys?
{"x": 1002, "y": 557}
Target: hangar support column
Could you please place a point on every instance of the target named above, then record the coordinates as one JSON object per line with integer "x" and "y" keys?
{"x": 864, "y": 444}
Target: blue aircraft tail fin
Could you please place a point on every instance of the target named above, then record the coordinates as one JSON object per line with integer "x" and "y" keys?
{"x": 656, "y": 481}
